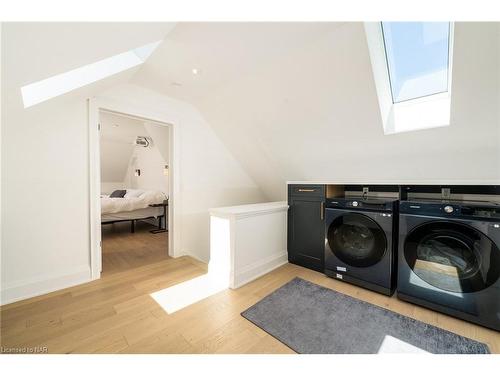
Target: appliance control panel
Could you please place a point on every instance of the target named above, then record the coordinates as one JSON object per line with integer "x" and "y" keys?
{"x": 441, "y": 209}
{"x": 488, "y": 210}
{"x": 361, "y": 204}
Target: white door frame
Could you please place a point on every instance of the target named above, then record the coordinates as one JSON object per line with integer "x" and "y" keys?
{"x": 129, "y": 109}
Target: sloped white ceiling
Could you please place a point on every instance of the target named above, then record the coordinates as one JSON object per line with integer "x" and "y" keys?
{"x": 160, "y": 136}
{"x": 118, "y": 134}
{"x": 291, "y": 101}
{"x": 223, "y": 52}
{"x": 298, "y": 102}
{"x": 46, "y": 49}
{"x": 37, "y": 50}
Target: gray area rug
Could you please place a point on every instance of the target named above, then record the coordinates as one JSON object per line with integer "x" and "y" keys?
{"x": 309, "y": 318}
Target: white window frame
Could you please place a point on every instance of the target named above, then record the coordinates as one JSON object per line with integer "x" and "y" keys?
{"x": 46, "y": 89}
{"x": 425, "y": 112}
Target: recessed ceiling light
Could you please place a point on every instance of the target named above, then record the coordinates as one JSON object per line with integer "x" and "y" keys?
{"x": 195, "y": 71}
{"x": 115, "y": 125}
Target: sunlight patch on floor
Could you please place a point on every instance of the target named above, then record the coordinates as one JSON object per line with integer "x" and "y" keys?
{"x": 392, "y": 345}
{"x": 216, "y": 280}
{"x": 184, "y": 294}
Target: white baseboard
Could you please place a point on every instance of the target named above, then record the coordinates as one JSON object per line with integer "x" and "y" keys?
{"x": 258, "y": 269}
{"x": 190, "y": 254}
{"x": 43, "y": 284}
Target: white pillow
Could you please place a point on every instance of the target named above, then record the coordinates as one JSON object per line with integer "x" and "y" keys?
{"x": 133, "y": 193}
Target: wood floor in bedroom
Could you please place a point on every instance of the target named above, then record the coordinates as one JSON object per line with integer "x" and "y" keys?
{"x": 117, "y": 314}
{"x": 123, "y": 250}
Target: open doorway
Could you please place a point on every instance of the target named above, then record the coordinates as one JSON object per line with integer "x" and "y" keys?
{"x": 134, "y": 191}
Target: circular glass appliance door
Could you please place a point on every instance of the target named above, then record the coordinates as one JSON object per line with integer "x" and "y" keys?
{"x": 452, "y": 256}
{"x": 357, "y": 240}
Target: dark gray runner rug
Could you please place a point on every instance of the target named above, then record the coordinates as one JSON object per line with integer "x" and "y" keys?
{"x": 309, "y": 318}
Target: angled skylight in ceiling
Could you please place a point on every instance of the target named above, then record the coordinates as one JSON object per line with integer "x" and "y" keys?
{"x": 57, "y": 85}
{"x": 411, "y": 65}
{"x": 417, "y": 58}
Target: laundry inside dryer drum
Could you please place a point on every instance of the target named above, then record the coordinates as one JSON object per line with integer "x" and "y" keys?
{"x": 449, "y": 256}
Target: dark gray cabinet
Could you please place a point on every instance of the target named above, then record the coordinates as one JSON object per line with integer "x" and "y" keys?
{"x": 306, "y": 232}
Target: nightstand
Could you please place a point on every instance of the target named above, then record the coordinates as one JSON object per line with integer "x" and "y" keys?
{"x": 161, "y": 229}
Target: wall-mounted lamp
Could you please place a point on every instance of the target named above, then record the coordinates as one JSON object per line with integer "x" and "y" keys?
{"x": 137, "y": 172}
{"x": 165, "y": 170}
{"x": 142, "y": 141}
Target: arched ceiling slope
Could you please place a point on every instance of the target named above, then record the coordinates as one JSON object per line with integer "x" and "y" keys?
{"x": 291, "y": 101}
{"x": 34, "y": 51}
{"x": 297, "y": 101}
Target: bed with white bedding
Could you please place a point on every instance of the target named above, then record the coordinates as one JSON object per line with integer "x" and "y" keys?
{"x": 135, "y": 205}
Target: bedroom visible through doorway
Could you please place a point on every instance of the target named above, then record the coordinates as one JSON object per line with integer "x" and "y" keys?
{"x": 134, "y": 196}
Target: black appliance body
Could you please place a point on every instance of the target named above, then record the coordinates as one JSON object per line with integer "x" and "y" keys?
{"x": 360, "y": 242}
{"x": 449, "y": 258}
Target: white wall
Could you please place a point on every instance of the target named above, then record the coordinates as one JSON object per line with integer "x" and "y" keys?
{"x": 150, "y": 161}
{"x": 45, "y": 224}
{"x": 209, "y": 175}
{"x": 45, "y": 182}
{"x": 117, "y": 137}
{"x": 108, "y": 187}
{"x": 313, "y": 115}
{"x": 120, "y": 157}
{"x": 44, "y": 174}
{"x": 1, "y": 121}
{"x": 160, "y": 134}
{"x": 45, "y": 214}
{"x": 115, "y": 158}
{"x": 44, "y": 163}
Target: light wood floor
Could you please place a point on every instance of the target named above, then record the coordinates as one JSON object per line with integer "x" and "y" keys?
{"x": 122, "y": 250}
{"x": 116, "y": 314}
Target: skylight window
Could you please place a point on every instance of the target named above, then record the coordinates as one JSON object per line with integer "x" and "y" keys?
{"x": 417, "y": 58}
{"x": 57, "y": 85}
{"x": 411, "y": 65}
